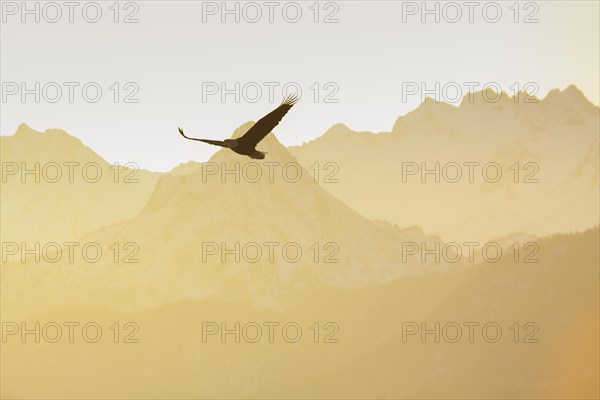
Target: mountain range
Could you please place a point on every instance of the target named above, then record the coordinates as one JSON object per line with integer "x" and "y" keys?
{"x": 316, "y": 234}
{"x": 546, "y": 150}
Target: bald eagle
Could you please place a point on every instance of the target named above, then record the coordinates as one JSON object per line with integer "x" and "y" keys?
{"x": 246, "y": 144}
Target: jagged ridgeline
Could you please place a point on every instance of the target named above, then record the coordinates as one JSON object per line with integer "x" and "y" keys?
{"x": 546, "y": 151}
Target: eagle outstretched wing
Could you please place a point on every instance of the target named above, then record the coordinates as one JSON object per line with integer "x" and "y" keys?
{"x": 266, "y": 124}
{"x": 213, "y": 142}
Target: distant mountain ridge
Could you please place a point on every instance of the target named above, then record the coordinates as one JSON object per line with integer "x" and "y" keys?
{"x": 558, "y": 133}
{"x": 550, "y": 140}
{"x": 65, "y": 198}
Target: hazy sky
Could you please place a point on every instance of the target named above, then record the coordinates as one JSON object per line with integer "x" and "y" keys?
{"x": 179, "y": 55}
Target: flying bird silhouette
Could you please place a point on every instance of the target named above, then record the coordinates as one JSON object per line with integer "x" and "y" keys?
{"x": 246, "y": 144}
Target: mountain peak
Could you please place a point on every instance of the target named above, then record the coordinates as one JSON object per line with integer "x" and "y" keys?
{"x": 242, "y": 129}
{"x": 571, "y": 98}
{"x": 25, "y": 130}
{"x": 486, "y": 96}
{"x": 573, "y": 90}
{"x": 337, "y": 130}
{"x": 570, "y": 92}
{"x": 431, "y": 105}
{"x": 29, "y": 144}
{"x": 339, "y": 126}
